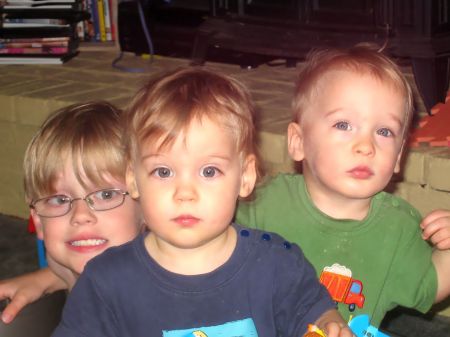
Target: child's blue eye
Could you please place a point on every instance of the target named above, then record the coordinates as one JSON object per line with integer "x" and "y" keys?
{"x": 162, "y": 172}
{"x": 106, "y": 194}
{"x": 385, "y": 132}
{"x": 209, "y": 172}
{"x": 57, "y": 200}
{"x": 342, "y": 126}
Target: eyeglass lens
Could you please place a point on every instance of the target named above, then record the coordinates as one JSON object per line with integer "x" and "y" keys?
{"x": 59, "y": 205}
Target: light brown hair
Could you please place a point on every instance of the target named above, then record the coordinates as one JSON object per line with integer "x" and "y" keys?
{"x": 169, "y": 102}
{"x": 88, "y": 134}
{"x": 362, "y": 59}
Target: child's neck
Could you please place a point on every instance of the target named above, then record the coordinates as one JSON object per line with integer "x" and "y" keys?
{"x": 340, "y": 208}
{"x": 192, "y": 261}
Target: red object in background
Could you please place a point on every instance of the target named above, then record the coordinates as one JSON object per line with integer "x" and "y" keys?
{"x": 42, "y": 259}
{"x": 434, "y": 130}
{"x": 31, "y": 227}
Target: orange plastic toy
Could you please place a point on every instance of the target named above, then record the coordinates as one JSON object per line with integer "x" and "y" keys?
{"x": 312, "y": 334}
{"x": 434, "y": 130}
{"x": 314, "y": 331}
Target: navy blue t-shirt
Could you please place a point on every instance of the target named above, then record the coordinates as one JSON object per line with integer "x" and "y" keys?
{"x": 266, "y": 288}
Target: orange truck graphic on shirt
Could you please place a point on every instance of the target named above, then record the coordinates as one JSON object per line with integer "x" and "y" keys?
{"x": 342, "y": 287}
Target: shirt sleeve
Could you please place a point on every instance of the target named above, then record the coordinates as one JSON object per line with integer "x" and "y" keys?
{"x": 85, "y": 312}
{"x": 412, "y": 281}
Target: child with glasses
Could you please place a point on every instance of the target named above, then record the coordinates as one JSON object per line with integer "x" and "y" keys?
{"x": 352, "y": 110}
{"x": 192, "y": 153}
{"x": 74, "y": 170}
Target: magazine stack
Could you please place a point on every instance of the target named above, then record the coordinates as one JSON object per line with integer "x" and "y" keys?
{"x": 39, "y": 31}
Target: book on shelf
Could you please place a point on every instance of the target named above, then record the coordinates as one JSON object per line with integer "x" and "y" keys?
{"x": 33, "y": 44}
{"x": 60, "y": 39}
{"x": 107, "y": 20}
{"x": 40, "y": 31}
{"x": 32, "y": 24}
{"x": 102, "y": 20}
{"x": 92, "y": 8}
{"x": 35, "y": 59}
{"x": 112, "y": 14}
{"x": 47, "y": 50}
{"x": 39, "y": 4}
{"x": 57, "y": 45}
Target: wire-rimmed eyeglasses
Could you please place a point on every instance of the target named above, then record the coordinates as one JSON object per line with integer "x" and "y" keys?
{"x": 60, "y": 204}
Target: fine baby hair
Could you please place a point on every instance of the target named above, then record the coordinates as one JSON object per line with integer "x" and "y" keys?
{"x": 168, "y": 103}
{"x": 362, "y": 59}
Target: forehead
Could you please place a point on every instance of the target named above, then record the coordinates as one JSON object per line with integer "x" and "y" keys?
{"x": 354, "y": 93}
{"x": 199, "y": 129}
{"x": 358, "y": 88}
{"x": 203, "y": 134}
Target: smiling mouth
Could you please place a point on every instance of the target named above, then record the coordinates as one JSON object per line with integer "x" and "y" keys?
{"x": 87, "y": 243}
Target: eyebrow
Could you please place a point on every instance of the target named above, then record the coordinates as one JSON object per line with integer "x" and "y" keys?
{"x": 332, "y": 112}
{"x": 212, "y": 156}
{"x": 398, "y": 120}
{"x": 150, "y": 156}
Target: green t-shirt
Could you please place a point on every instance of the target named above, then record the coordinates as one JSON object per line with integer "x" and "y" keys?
{"x": 385, "y": 251}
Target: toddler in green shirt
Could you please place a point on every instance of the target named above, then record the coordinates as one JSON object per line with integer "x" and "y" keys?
{"x": 352, "y": 113}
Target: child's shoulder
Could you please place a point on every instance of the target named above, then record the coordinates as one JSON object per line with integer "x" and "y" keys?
{"x": 398, "y": 205}
{"x": 115, "y": 258}
{"x": 285, "y": 178}
{"x": 268, "y": 242}
{"x": 280, "y": 182}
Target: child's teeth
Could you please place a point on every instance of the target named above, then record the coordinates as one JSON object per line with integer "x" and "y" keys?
{"x": 90, "y": 242}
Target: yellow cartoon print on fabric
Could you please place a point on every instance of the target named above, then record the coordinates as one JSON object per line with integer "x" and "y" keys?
{"x": 199, "y": 333}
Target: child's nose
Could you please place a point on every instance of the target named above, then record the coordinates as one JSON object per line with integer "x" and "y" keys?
{"x": 365, "y": 146}
{"x": 185, "y": 190}
{"x": 81, "y": 213}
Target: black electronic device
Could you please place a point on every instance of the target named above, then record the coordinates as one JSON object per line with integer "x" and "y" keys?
{"x": 172, "y": 25}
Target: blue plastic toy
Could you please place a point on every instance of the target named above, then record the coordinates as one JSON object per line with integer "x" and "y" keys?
{"x": 361, "y": 327}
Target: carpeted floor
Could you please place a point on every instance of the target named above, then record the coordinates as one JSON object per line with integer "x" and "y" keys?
{"x": 18, "y": 255}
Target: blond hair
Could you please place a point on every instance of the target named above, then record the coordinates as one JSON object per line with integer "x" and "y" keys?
{"x": 362, "y": 59}
{"x": 88, "y": 134}
{"x": 169, "y": 102}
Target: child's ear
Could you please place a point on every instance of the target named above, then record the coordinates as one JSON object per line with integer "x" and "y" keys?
{"x": 131, "y": 183}
{"x": 37, "y": 224}
{"x": 248, "y": 179}
{"x": 295, "y": 141}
